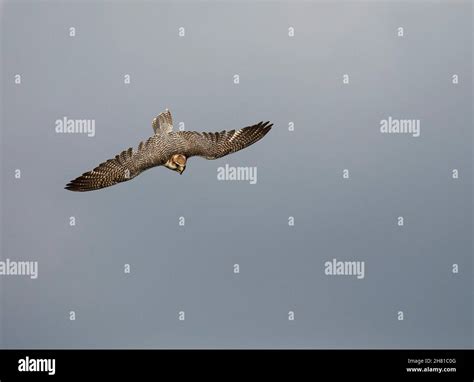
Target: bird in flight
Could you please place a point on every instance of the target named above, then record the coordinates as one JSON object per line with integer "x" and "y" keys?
{"x": 167, "y": 148}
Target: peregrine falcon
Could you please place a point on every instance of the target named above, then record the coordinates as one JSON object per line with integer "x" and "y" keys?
{"x": 170, "y": 149}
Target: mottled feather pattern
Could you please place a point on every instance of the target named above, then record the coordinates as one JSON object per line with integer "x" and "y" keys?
{"x": 165, "y": 118}
{"x": 159, "y": 148}
{"x": 217, "y": 145}
{"x": 163, "y": 121}
{"x": 106, "y": 174}
{"x": 125, "y": 166}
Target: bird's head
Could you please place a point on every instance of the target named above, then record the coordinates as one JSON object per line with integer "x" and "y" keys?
{"x": 177, "y": 163}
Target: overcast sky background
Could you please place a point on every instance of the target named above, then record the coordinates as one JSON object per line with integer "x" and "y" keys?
{"x": 190, "y": 268}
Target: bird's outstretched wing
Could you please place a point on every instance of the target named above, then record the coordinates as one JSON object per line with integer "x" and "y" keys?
{"x": 125, "y": 166}
{"x": 216, "y": 145}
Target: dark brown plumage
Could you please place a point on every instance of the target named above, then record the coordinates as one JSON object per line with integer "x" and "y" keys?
{"x": 170, "y": 149}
